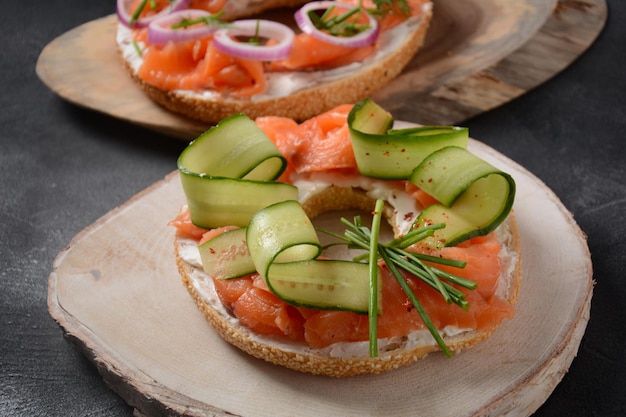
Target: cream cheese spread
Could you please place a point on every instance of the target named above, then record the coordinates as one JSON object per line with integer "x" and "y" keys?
{"x": 405, "y": 208}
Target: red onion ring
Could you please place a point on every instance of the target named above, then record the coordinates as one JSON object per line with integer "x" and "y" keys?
{"x": 224, "y": 42}
{"x": 365, "y": 38}
{"x": 160, "y": 30}
{"x": 125, "y": 17}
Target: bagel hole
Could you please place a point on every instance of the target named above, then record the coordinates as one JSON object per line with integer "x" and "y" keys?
{"x": 328, "y": 207}
{"x": 331, "y": 221}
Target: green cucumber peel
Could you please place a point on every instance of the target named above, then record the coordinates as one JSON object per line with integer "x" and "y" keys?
{"x": 284, "y": 247}
{"x": 385, "y": 153}
{"x": 226, "y": 256}
{"x": 474, "y": 196}
{"x": 228, "y": 174}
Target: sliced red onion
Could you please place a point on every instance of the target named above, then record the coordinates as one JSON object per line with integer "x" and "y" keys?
{"x": 125, "y": 16}
{"x": 160, "y": 30}
{"x": 365, "y": 38}
{"x": 224, "y": 40}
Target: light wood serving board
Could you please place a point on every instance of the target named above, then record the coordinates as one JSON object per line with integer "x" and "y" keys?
{"x": 479, "y": 54}
{"x": 116, "y": 292}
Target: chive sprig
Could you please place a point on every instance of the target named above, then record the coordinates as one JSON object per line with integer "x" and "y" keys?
{"x": 397, "y": 258}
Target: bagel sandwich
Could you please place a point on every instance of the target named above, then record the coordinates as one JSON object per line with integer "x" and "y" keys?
{"x": 298, "y": 93}
{"x": 232, "y": 247}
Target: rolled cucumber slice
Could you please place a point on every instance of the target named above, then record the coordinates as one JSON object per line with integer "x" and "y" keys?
{"x": 281, "y": 232}
{"x": 382, "y": 152}
{"x": 474, "y": 196}
{"x": 284, "y": 247}
{"x": 215, "y": 201}
{"x": 227, "y": 174}
{"x": 226, "y": 256}
{"x": 234, "y": 148}
{"x": 322, "y": 284}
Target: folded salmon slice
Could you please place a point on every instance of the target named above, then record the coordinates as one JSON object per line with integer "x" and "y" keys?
{"x": 319, "y": 144}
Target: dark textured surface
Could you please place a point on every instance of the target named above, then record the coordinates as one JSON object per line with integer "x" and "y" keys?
{"x": 62, "y": 167}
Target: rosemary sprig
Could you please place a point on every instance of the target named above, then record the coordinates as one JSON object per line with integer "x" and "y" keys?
{"x": 397, "y": 258}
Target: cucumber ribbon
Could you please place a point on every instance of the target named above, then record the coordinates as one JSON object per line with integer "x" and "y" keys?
{"x": 228, "y": 174}
{"x": 473, "y": 196}
{"x": 284, "y": 247}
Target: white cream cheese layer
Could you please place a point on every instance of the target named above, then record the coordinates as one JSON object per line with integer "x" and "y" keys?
{"x": 405, "y": 208}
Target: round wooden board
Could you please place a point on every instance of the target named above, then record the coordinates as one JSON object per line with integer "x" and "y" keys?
{"x": 478, "y": 55}
{"x": 117, "y": 294}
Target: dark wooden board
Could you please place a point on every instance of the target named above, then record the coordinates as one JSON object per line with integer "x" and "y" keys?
{"x": 479, "y": 54}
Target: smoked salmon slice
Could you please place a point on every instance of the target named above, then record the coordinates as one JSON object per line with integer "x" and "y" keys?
{"x": 321, "y": 143}
{"x": 184, "y": 227}
{"x": 194, "y": 65}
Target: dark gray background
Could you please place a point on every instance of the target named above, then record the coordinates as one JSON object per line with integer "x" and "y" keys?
{"x": 62, "y": 167}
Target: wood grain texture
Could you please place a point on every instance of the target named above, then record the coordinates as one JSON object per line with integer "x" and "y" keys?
{"x": 116, "y": 293}
{"x": 568, "y": 32}
{"x": 478, "y": 55}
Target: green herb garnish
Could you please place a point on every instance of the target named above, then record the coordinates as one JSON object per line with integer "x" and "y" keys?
{"x": 397, "y": 258}
{"x": 341, "y": 25}
{"x": 210, "y": 20}
{"x": 139, "y": 9}
{"x": 256, "y": 39}
{"x": 137, "y": 48}
{"x": 373, "y": 269}
{"x": 384, "y": 7}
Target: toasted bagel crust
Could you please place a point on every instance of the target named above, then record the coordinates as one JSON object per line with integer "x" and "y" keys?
{"x": 300, "y": 105}
{"x": 312, "y": 361}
